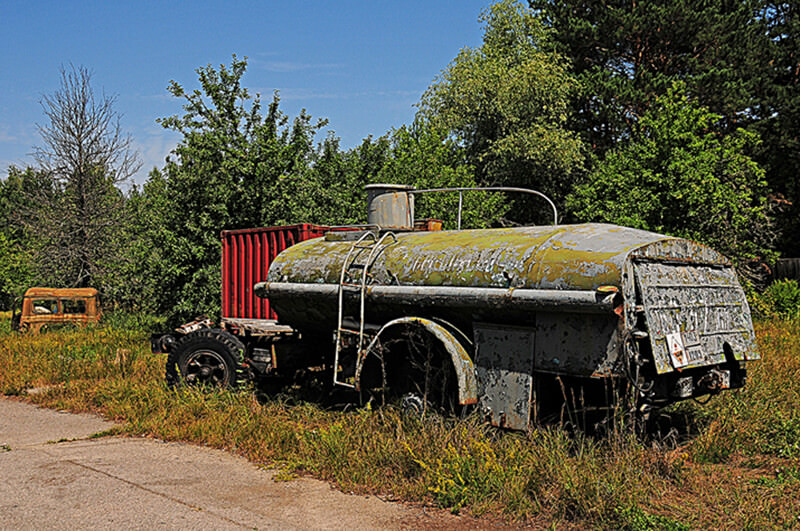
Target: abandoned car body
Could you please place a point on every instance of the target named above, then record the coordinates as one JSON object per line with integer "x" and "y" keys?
{"x": 43, "y": 308}
{"x": 518, "y": 321}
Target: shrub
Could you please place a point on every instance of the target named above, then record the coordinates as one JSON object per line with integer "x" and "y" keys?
{"x": 781, "y": 299}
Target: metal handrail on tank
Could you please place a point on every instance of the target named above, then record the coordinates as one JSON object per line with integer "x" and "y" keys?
{"x": 488, "y": 189}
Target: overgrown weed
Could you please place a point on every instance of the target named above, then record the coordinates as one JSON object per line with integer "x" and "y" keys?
{"x": 764, "y": 417}
{"x": 543, "y": 475}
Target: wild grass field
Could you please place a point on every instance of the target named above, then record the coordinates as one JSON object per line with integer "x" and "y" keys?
{"x": 739, "y": 468}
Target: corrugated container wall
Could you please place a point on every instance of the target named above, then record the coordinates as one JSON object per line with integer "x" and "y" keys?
{"x": 246, "y": 256}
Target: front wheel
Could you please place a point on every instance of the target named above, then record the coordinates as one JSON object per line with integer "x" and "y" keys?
{"x": 207, "y": 357}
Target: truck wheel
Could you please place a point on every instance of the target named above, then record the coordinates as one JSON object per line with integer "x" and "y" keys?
{"x": 420, "y": 376}
{"x": 209, "y": 357}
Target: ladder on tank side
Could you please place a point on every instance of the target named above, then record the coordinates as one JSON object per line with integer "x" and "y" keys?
{"x": 368, "y": 245}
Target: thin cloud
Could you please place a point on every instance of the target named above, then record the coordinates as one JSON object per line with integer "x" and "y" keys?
{"x": 153, "y": 153}
{"x": 294, "y": 66}
{"x": 5, "y": 136}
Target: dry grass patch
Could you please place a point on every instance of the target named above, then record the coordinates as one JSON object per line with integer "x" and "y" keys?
{"x": 741, "y": 470}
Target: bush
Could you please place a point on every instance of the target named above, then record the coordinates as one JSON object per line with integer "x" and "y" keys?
{"x": 781, "y": 299}
{"x": 134, "y": 321}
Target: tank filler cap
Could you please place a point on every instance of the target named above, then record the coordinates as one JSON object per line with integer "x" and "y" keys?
{"x": 390, "y": 206}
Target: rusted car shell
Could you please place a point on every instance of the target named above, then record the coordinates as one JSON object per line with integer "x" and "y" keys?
{"x": 86, "y": 298}
{"x": 687, "y": 292}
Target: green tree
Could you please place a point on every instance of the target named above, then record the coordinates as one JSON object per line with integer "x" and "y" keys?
{"x": 424, "y": 156}
{"x": 738, "y": 59}
{"x": 14, "y": 270}
{"x": 236, "y": 166}
{"x": 676, "y": 175}
{"x": 780, "y": 116}
{"x": 507, "y": 103}
{"x": 627, "y": 54}
{"x": 15, "y": 246}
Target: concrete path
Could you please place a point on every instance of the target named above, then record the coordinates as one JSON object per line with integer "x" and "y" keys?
{"x": 54, "y": 476}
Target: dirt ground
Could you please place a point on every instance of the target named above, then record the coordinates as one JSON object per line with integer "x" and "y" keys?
{"x": 57, "y": 474}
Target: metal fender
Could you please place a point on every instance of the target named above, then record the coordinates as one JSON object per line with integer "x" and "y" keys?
{"x": 465, "y": 370}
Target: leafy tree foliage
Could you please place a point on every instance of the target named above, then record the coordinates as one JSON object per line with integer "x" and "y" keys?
{"x": 676, "y": 175}
{"x": 627, "y": 54}
{"x": 738, "y": 59}
{"x": 15, "y": 253}
{"x": 507, "y": 103}
{"x": 235, "y": 167}
{"x": 240, "y": 167}
{"x": 780, "y": 115}
{"x": 13, "y": 270}
{"x": 422, "y": 155}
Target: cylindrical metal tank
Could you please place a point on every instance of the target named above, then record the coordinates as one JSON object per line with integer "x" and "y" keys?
{"x": 531, "y": 276}
{"x": 544, "y": 257}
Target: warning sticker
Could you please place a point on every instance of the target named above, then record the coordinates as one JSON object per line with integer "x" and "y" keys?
{"x": 677, "y": 352}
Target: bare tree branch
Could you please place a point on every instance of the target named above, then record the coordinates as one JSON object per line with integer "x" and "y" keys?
{"x": 78, "y": 211}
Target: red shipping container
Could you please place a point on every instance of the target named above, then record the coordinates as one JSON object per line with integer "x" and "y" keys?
{"x": 246, "y": 256}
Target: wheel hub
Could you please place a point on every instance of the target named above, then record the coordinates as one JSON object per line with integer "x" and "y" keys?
{"x": 206, "y": 367}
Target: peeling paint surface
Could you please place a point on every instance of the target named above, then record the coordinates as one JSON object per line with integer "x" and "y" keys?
{"x": 692, "y": 313}
{"x": 504, "y": 364}
{"x": 553, "y": 257}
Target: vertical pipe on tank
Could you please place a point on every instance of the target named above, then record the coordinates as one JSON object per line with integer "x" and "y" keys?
{"x": 460, "y": 203}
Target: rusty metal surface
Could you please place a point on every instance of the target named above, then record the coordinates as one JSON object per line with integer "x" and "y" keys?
{"x": 257, "y": 327}
{"x": 390, "y": 206}
{"x": 45, "y": 307}
{"x": 61, "y": 292}
{"x": 580, "y": 257}
{"x": 692, "y": 312}
{"x": 549, "y": 274}
{"x": 504, "y": 359}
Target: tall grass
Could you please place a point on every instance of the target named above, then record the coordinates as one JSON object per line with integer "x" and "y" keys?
{"x": 764, "y": 417}
{"x": 742, "y": 470}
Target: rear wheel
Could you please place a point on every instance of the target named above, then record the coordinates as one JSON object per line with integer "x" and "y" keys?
{"x": 209, "y": 357}
{"x": 417, "y": 374}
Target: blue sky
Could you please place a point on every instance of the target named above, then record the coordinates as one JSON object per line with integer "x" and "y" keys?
{"x": 362, "y": 65}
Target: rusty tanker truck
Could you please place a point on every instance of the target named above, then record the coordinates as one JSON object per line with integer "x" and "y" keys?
{"x": 521, "y": 323}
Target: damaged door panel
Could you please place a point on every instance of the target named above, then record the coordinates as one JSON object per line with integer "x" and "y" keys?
{"x": 693, "y": 311}
{"x": 504, "y": 366}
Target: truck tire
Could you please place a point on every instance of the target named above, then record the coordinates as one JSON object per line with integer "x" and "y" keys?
{"x": 210, "y": 357}
{"x": 421, "y": 379}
